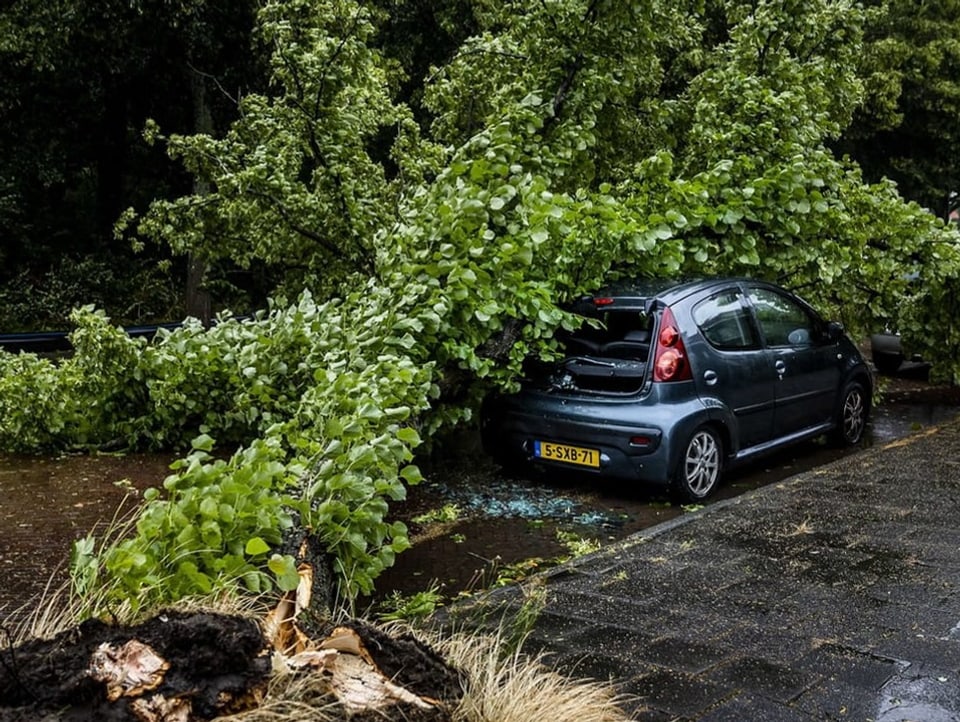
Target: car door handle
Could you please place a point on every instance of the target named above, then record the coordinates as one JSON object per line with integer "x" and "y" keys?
{"x": 781, "y": 367}
{"x": 710, "y": 376}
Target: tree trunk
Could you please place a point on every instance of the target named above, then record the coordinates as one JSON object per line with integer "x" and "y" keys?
{"x": 197, "y": 298}
{"x": 197, "y": 301}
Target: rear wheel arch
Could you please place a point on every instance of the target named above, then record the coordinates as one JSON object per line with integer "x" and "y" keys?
{"x": 726, "y": 437}
{"x": 865, "y": 381}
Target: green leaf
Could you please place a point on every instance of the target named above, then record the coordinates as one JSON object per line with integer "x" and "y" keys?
{"x": 202, "y": 443}
{"x": 255, "y": 547}
{"x": 285, "y": 570}
{"x": 409, "y": 436}
{"x": 411, "y": 474}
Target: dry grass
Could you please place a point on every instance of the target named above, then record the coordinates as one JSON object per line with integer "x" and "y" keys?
{"x": 44, "y": 617}
{"x": 519, "y": 688}
{"x": 515, "y": 689}
{"x": 59, "y": 609}
{"x": 292, "y": 699}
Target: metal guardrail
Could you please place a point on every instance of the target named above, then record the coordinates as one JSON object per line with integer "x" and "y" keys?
{"x": 51, "y": 341}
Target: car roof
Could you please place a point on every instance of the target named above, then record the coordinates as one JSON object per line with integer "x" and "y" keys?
{"x": 639, "y": 294}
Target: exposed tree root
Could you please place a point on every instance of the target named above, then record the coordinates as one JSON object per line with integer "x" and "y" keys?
{"x": 185, "y": 667}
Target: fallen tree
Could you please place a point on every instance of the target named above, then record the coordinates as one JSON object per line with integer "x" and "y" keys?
{"x": 640, "y": 142}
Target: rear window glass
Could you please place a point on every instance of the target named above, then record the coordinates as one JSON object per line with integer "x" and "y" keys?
{"x": 725, "y": 322}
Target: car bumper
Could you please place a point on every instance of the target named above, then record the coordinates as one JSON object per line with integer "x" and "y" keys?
{"x": 636, "y": 442}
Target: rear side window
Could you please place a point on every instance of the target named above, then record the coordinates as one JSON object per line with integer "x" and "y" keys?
{"x": 725, "y": 322}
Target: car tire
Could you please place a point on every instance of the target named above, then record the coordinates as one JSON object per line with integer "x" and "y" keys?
{"x": 700, "y": 465}
{"x": 887, "y": 364}
{"x": 851, "y": 421}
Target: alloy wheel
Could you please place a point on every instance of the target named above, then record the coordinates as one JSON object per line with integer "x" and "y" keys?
{"x": 701, "y": 465}
{"x": 853, "y": 415}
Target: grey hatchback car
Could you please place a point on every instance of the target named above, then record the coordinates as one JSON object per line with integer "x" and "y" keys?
{"x": 672, "y": 382}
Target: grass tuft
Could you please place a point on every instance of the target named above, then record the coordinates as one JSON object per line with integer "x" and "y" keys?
{"x": 519, "y": 688}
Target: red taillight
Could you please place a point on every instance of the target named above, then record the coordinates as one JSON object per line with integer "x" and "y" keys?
{"x": 670, "y": 359}
{"x": 603, "y": 301}
{"x": 668, "y": 336}
{"x": 669, "y": 365}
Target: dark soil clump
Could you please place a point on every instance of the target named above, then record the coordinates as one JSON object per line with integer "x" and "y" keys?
{"x": 214, "y": 659}
{"x": 186, "y": 667}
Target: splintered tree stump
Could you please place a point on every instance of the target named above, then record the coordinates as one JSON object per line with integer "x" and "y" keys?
{"x": 186, "y": 667}
{"x": 410, "y": 663}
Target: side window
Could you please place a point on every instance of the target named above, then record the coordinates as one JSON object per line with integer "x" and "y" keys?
{"x": 783, "y": 322}
{"x": 725, "y": 323}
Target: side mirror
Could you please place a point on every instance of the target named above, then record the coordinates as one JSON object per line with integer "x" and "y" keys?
{"x": 834, "y": 331}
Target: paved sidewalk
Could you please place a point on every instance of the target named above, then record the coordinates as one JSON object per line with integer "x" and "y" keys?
{"x": 834, "y": 595}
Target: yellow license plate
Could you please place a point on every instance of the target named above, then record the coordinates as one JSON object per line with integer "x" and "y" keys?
{"x": 567, "y": 454}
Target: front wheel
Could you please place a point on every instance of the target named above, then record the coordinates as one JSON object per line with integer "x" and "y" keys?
{"x": 852, "y": 415}
{"x": 699, "y": 470}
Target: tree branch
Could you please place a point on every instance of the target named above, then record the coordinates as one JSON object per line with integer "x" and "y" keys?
{"x": 560, "y": 97}
{"x": 310, "y": 234}
{"x": 216, "y": 81}
{"x": 336, "y": 53}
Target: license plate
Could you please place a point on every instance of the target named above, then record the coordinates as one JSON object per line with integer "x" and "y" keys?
{"x": 567, "y": 454}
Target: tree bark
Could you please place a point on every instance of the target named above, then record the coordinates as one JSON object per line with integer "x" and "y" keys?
{"x": 197, "y": 298}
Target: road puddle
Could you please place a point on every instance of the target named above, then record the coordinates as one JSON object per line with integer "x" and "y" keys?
{"x": 47, "y": 503}
{"x": 919, "y": 695}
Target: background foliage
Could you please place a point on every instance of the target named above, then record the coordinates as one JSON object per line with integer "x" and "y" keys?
{"x": 551, "y": 145}
{"x": 907, "y": 127}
